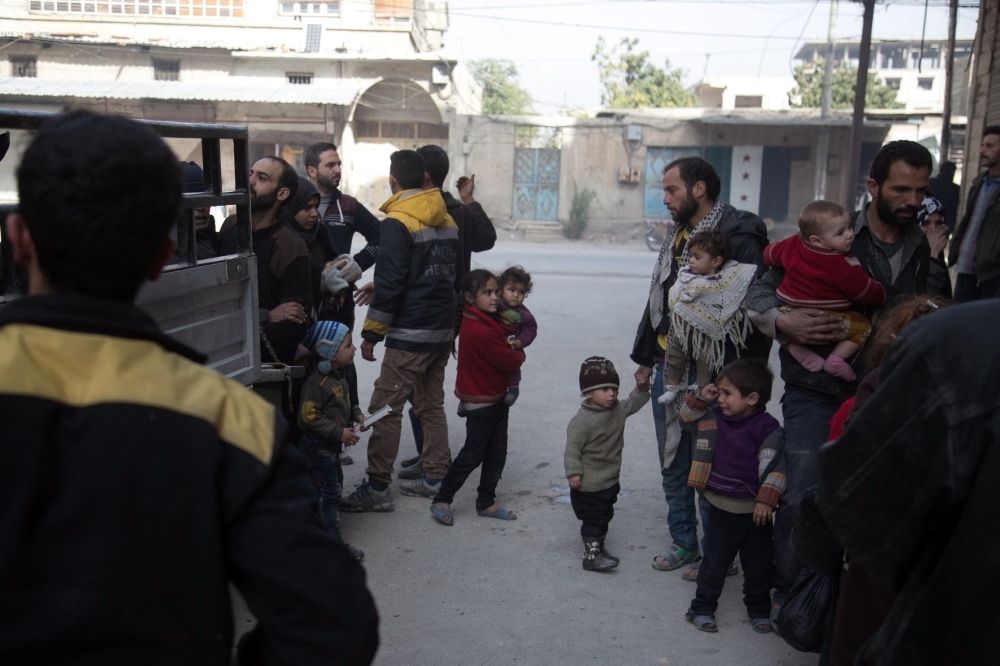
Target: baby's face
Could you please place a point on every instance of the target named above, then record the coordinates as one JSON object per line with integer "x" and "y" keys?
{"x": 602, "y": 397}
{"x": 702, "y": 263}
{"x": 835, "y": 234}
{"x": 514, "y": 293}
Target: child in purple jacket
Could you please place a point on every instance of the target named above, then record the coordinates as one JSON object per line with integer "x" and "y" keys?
{"x": 515, "y": 319}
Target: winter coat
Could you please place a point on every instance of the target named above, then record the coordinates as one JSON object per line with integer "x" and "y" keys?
{"x": 349, "y": 218}
{"x": 414, "y": 304}
{"x": 595, "y": 439}
{"x": 475, "y": 233}
{"x": 327, "y": 406}
{"x": 816, "y": 277}
{"x": 317, "y": 240}
{"x": 485, "y": 360}
{"x": 988, "y": 241}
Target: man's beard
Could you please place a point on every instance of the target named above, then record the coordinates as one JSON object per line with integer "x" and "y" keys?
{"x": 263, "y": 201}
{"x": 328, "y": 183}
{"x": 889, "y": 215}
{"x": 686, "y": 210}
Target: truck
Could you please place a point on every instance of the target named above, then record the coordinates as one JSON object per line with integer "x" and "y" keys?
{"x": 208, "y": 305}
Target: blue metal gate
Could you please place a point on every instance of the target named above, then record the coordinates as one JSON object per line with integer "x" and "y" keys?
{"x": 656, "y": 160}
{"x": 536, "y": 184}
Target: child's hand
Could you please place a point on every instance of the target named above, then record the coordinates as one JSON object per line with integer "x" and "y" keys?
{"x": 762, "y": 514}
{"x": 710, "y": 392}
{"x": 349, "y": 437}
{"x": 574, "y": 481}
{"x": 515, "y": 344}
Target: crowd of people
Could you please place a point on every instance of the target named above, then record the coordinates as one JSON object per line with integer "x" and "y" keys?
{"x": 880, "y": 477}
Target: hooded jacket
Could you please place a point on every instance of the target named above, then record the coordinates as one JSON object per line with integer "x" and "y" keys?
{"x": 345, "y": 217}
{"x": 317, "y": 239}
{"x": 135, "y": 484}
{"x": 414, "y": 304}
{"x": 748, "y": 236}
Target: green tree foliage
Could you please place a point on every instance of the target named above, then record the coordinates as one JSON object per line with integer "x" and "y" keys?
{"x": 809, "y": 88}
{"x": 502, "y": 93}
{"x": 631, "y": 81}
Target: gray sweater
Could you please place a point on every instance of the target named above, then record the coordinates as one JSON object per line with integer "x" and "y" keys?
{"x": 595, "y": 439}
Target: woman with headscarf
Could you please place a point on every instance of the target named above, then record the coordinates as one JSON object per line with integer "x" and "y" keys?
{"x": 932, "y": 223}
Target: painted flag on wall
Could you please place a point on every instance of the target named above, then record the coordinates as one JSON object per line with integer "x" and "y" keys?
{"x": 745, "y": 176}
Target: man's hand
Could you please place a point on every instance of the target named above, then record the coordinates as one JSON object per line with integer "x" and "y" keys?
{"x": 710, "y": 392}
{"x": 809, "y": 326}
{"x": 349, "y": 437}
{"x": 368, "y": 350}
{"x": 642, "y": 375}
{"x": 937, "y": 236}
{"x": 516, "y": 344}
{"x": 365, "y": 294}
{"x": 361, "y": 421}
{"x": 466, "y": 186}
{"x": 762, "y": 514}
{"x": 574, "y": 481}
{"x": 292, "y": 312}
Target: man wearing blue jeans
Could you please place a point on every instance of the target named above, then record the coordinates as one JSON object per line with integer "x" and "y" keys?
{"x": 691, "y": 189}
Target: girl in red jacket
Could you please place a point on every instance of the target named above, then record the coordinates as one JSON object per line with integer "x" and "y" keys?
{"x": 485, "y": 361}
{"x": 819, "y": 273}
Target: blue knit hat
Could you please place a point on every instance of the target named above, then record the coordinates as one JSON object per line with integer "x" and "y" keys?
{"x": 324, "y": 339}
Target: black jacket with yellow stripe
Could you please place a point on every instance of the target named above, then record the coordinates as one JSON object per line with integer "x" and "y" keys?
{"x": 134, "y": 483}
{"x": 414, "y": 304}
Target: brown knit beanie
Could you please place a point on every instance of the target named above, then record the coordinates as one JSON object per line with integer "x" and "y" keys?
{"x": 598, "y": 372}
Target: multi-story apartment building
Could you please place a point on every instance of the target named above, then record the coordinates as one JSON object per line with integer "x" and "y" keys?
{"x": 365, "y": 74}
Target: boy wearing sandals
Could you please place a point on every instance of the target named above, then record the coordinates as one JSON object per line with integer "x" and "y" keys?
{"x": 738, "y": 462}
{"x": 594, "y": 442}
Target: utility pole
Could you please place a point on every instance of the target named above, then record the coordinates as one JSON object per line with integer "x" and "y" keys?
{"x": 857, "y": 124}
{"x": 949, "y": 78}
{"x": 826, "y": 104}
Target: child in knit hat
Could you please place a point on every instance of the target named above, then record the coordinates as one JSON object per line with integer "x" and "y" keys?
{"x": 594, "y": 442}
{"x": 326, "y": 418}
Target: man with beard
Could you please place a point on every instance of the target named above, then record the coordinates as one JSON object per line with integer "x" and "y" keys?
{"x": 891, "y": 248}
{"x": 283, "y": 284}
{"x": 975, "y": 249}
{"x": 691, "y": 190}
{"x": 342, "y": 215}
{"x": 204, "y": 224}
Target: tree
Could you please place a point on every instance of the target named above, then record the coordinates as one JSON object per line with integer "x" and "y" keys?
{"x": 631, "y": 81}
{"x": 809, "y": 89}
{"x": 502, "y": 93}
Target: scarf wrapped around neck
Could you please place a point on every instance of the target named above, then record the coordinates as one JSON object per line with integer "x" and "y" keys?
{"x": 662, "y": 270}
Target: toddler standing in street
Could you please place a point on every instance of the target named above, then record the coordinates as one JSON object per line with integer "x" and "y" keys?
{"x": 485, "y": 361}
{"x": 738, "y": 462}
{"x": 706, "y": 309}
{"x": 326, "y": 417}
{"x": 820, "y": 274}
{"x": 516, "y": 320}
{"x": 594, "y": 442}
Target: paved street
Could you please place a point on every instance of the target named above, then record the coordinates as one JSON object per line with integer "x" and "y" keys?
{"x": 492, "y": 592}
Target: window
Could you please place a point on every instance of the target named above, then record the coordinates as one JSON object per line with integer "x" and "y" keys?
{"x": 925, "y": 84}
{"x": 366, "y": 129}
{"x": 431, "y": 131}
{"x": 397, "y": 130}
{"x": 24, "y": 67}
{"x": 300, "y": 79}
{"x": 314, "y": 35}
{"x": 394, "y": 10}
{"x": 202, "y": 8}
{"x": 167, "y": 70}
{"x": 893, "y": 83}
{"x": 749, "y": 101}
{"x": 310, "y": 8}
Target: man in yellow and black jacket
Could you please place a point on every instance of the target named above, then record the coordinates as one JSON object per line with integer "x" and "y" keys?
{"x": 134, "y": 483}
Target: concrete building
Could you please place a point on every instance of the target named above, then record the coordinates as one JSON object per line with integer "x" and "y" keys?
{"x": 743, "y": 92}
{"x": 364, "y": 74}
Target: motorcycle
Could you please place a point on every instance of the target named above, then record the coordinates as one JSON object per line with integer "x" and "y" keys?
{"x": 656, "y": 233}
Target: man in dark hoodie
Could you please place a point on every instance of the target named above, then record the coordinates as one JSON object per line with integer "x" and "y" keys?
{"x": 691, "y": 190}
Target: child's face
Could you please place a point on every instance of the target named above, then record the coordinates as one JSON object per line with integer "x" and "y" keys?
{"x": 702, "y": 263}
{"x": 514, "y": 293}
{"x": 733, "y": 403}
{"x": 344, "y": 355}
{"x": 602, "y": 397}
{"x": 835, "y": 234}
{"x": 487, "y": 299}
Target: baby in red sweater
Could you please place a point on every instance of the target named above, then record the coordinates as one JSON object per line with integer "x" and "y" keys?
{"x": 819, "y": 273}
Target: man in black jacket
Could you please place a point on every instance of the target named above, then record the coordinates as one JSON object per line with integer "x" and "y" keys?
{"x": 135, "y": 483}
{"x": 691, "y": 190}
{"x": 892, "y": 249}
{"x": 342, "y": 215}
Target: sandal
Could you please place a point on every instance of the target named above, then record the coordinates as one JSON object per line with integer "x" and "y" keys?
{"x": 704, "y": 623}
{"x": 691, "y": 575}
{"x": 675, "y": 558}
{"x": 762, "y": 625}
{"x": 501, "y": 514}
{"x": 443, "y": 516}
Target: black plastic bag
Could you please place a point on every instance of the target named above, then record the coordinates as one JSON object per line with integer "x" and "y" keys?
{"x": 812, "y": 541}
{"x": 808, "y": 610}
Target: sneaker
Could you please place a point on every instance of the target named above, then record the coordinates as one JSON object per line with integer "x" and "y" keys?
{"x": 346, "y": 459}
{"x": 420, "y": 488}
{"x": 412, "y": 472}
{"x": 366, "y": 498}
{"x": 356, "y": 552}
{"x": 410, "y": 462}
